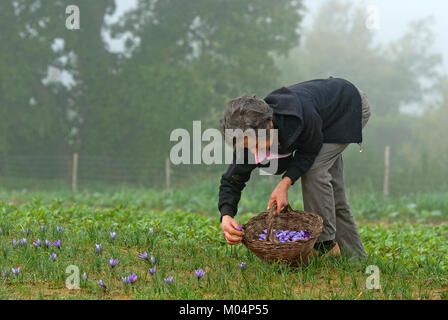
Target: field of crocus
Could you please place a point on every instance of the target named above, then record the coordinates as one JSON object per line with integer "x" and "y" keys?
{"x": 124, "y": 249}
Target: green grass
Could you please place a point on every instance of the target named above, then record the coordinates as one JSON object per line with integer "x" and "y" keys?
{"x": 412, "y": 257}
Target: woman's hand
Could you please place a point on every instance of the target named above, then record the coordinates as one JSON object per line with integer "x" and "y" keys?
{"x": 280, "y": 194}
{"x": 230, "y": 230}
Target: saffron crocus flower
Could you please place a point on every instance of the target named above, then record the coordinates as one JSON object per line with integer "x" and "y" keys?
{"x": 47, "y": 243}
{"x": 125, "y": 280}
{"x": 199, "y": 273}
{"x": 26, "y": 231}
{"x": 98, "y": 248}
{"x": 22, "y": 241}
{"x": 15, "y": 271}
{"x": 239, "y": 228}
{"x": 168, "y": 280}
{"x": 132, "y": 278}
{"x": 144, "y": 255}
{"x": 43, "y": 227}
{"x": 101, "y": 282}
{"x": 113, "y": 235}
{"x": 153, "y": 260}
{"x": 242, "y": 265}
{"x": 151, "y": 231}
{"x": 37, "y": 243}
{"x": 57, "y": 244}
{"x": 84, "y": 276}
{"x": 59, "y": 228}
{"x": 113, "y": 262}
{"x": 152, "y": 270}
{"x": 53, "y": 256}
{"x": 15, "y": 243}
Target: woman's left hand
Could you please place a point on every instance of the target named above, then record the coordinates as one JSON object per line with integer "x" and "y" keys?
{"x": 280, "y": 194}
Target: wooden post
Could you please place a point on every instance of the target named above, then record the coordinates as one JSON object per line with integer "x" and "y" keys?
{"x": 75, "y": 173}
{"x": 167, "y": 173}
{"x": 386, "y": 170}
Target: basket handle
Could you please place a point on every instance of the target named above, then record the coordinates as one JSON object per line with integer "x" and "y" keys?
{"x": 270, "y": 229}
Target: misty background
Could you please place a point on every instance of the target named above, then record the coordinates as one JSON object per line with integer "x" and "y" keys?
{"x": 112, "y": 91}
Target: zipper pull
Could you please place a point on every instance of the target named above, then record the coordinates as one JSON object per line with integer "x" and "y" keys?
{"x": 360, "y": 146}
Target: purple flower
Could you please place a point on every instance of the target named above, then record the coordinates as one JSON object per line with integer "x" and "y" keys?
{"x": 151, "y": 231}
{"x": 153, "y": 260}
{"x": 1, "y": 230}
{"x": 152, "y": 270}
{"x": 113, "y": 235}
{"x": 101, "y": 282}
{"x": 84, "y": 276}
{"x": 168, "y": 280}
{"x": 239, "y": 228}
{"x": 144, "y": 255}
{"x": 37, "y": 243}
{"x": 113, "y": 262}
{"x": 26, "y": 231}
{"x": 53, "y": 256}
{"x": 15, "y": 271}
{"x": 22, "y": 241}
{"x": 47, "y": 243}
{"x": 98, "y": 248}
{"x": 43, "y": 227}
{"x": 125, "y": 280}
{"x": 15, "y": 243}
{"x": 132, "y": 277}
{"x": 59, "y": 228}
{"x": 242, "y": 265}
{"x": 199, "y": 273}
{"x": 57, "y": 244}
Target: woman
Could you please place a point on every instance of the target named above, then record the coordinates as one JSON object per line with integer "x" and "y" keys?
{"x": 314, "y": 121}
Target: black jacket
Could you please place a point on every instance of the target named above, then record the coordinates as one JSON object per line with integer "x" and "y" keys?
{"x": 306, "y": 115}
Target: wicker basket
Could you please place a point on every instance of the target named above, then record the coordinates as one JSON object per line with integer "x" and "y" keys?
{"x": 294, "y": 253}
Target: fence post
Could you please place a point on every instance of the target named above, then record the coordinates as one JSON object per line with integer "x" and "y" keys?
{"x": 167, "y": 173}
{"x": 75, "y": 173}
{"x": 386, "y": 170}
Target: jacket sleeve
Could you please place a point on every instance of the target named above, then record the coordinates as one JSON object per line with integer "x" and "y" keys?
{"x": 308, "y": 146}
{"x": 233, "y": 182}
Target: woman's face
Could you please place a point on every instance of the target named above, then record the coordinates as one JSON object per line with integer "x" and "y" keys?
{"x": 254, "y": 144}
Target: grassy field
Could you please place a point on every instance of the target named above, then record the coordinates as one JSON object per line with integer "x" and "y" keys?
{"x": 407, "y": 240}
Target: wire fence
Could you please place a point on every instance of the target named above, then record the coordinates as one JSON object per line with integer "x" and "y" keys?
{"x": 79, "y": 172}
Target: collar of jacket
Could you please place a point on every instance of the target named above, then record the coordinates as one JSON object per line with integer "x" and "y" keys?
{"x": 285, "y": 103}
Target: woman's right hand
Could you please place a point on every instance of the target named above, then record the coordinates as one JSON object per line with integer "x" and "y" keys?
{"x": 230, "y": 230}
